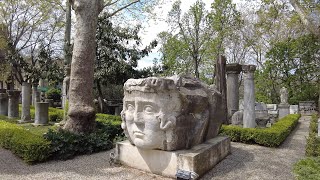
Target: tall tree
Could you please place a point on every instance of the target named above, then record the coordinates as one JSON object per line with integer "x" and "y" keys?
{"x": 26, "y": 26}
{"x": 118, "y": 50}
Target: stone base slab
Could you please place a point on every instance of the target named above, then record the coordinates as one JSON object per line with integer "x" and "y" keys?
{"x": 197, "y": 160}
{"x": 284, "y": 110}
{"x": 24, "y": 121}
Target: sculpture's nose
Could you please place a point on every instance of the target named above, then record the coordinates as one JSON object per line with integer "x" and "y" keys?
{"x": 137, "y": 117}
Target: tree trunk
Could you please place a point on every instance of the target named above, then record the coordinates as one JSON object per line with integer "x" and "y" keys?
{"x": 81, "y": 106}
{"x": 102, "y": 104}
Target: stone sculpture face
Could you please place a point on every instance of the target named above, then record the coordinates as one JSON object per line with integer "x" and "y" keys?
{"x": 149, "y": 118}
{"x": 168, "y": 113}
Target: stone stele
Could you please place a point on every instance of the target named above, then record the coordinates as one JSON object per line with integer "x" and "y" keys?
{"x": 163, "y": 115}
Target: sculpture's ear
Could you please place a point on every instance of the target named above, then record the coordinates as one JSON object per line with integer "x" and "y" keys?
{"x": 167, "y": 123}
{"x": 123, "y": 123}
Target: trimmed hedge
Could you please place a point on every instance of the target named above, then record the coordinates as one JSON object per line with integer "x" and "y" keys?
{"x": 309, "y": 168}
{"x": 55, "y": 115}
{"x": 270, "y": 137}
{"x": 34, "y": 146}
{"x": 313, "y": 141}
{"x": 30, "y": 147}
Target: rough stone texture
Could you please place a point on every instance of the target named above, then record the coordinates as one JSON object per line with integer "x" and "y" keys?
{"x": 26, "y": 101}
{"x": 237, "y": 118}
{"x": 4, "y": 103}
{"x": 307, "y": 107}
{"x": 198, "y": 159}
{"x": 221, "y": 84}
{"x": 35, "y": 94}
{"x": 294, "y": 109}
{"x": 251, "y": 162}
{"x": 249, "y": 97}
{"x": 283, "y": 95}
{"x": 13, "y": 105}
{"x": 233, "y": 71}
{"x": 284, "y": 110}
{"x": 41, "y": 113}
{"x": 170, "y": 113}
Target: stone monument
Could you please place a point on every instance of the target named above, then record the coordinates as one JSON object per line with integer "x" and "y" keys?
{"x": 13, "y": 105}
{"x": 41, "y": 113}
{"x": 283, "y": 107}
{"x": 233, "y": 71}
{"x": 249, "y": 97}
{"x": 172, "y": 125}
{"x": 221, "y": 85}
{"x": 26, "y": 101}
{"x": 3, "y": 102}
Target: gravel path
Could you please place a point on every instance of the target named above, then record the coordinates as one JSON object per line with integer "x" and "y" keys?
{"x": 247, "y": 162}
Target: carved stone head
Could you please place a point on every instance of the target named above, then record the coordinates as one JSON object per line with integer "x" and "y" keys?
{"x": 168, "y": 113}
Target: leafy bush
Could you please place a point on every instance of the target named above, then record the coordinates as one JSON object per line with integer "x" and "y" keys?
{"x": 271, "y": 137}
{"x": 54, "y": 94}
{"x": 313, "y": 142}
{"x": 308, "y": 168}
{"x": 30, "y": 147}
{"x": 66, "y": 145}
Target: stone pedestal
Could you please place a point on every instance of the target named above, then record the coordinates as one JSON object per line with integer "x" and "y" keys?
{"x": 41, "y": 114}
{"x": 233, "y": 71}
{"x": 13, "y": 105}
{"x": 249, "y": 97}
{"x": 284, "y": 110}
{"x": 26, "y": 94}
{"x": 197, "y": 160}
{"x": 3, "y": 103}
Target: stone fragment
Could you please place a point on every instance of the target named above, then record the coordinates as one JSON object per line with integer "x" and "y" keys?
{"x": 13, "y": 105}
{"x": 41, "y": 113}
{"x": 233, "y": 71}
{"x": 170, "y": 113}
{"x": 26, "y": 102}
{"x": 249, "y": 97}
{"x": 3, "y": 102}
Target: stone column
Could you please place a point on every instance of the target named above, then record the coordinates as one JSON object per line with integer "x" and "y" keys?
{"x": 13, "y": 107}
{"x": 35, "y": 94}
{"x": 3, "y": 102}
{"x": 42, "y": 113}
{"x": 65, "y": 87}
{"x": 249, "y": 117}
{"x": 233, "y": 71}
{"x": 26, "y": 93}
{"x": 220, "y": 82}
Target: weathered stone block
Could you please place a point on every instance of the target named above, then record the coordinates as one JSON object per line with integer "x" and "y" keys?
{"x": 284, "y": 110}
{"x": 199, "y": 159}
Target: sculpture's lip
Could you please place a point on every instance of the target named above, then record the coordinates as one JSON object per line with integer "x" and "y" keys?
{"x": 138, "y": 134}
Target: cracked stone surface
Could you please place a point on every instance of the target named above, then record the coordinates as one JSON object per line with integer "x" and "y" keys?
{"x": 246, "y": 162}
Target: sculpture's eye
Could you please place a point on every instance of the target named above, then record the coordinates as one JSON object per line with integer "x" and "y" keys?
{"x": 148, "y": 109}
{"x": 130, "y": 107}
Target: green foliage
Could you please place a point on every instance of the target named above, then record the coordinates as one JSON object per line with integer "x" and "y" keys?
{"x": 313, "y": 141}
{"x": 54, "y": 94}
{"x": 294, "y": 64}
{"x": 271, "y": 137}
{"x": 307, "y": 169}
{"x": 66, "y": 145}
{"x": 30, "y": 147}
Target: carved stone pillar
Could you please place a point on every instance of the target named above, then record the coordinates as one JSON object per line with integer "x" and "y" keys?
{"x": 13, "y": 107}
{"x": 35, "y": 94}
{"x": 26, "y": 93}
{"x": 41, "y": 113}
{"x": 249, "y": 97}
{"x": 233, "y": 71}
{"x": 3, "y": 102}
